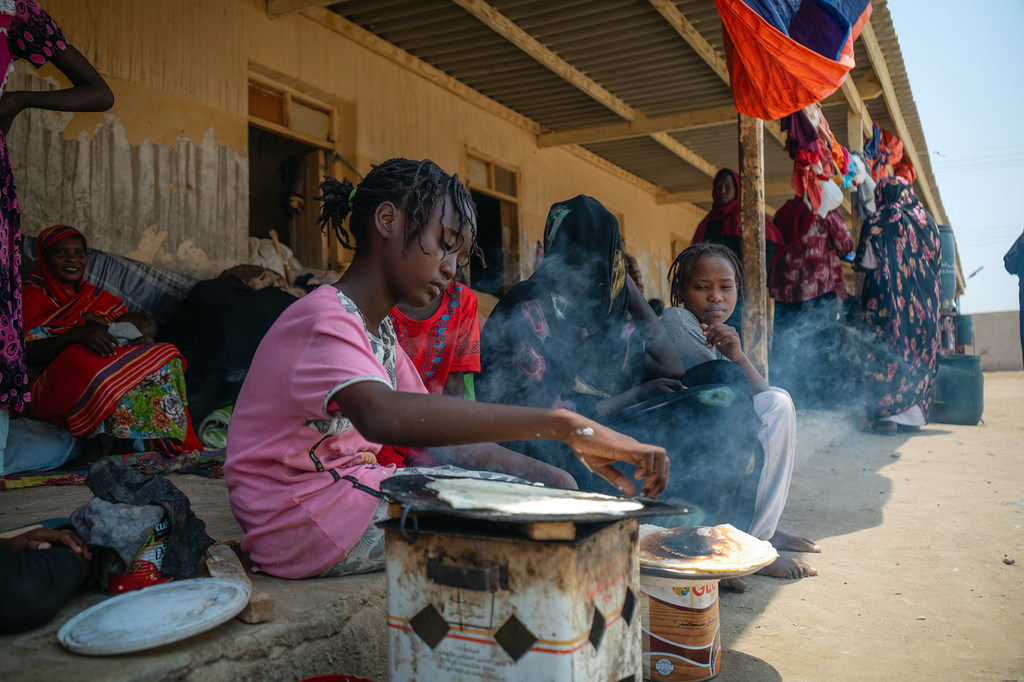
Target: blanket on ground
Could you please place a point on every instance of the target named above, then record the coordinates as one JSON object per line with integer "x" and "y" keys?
{"x": 208, "y": 463}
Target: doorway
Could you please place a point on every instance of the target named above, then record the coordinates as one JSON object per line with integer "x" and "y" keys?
{"x": 283, "y": 176}
{"x": 487, "y": 268}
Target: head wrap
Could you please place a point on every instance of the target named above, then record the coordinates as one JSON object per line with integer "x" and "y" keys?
{"x": 729, "y": 216}
{"x": 583, "y": 259}
{"x": 54, "y": 234}
{"x": 58, "y": 290}
{"x": 52, "y": 303}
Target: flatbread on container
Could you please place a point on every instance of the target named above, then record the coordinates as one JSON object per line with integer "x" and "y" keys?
{"x": 704, "y": 550}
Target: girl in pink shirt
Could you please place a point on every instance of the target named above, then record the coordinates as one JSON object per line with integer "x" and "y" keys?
{"x": 329, "y": 384}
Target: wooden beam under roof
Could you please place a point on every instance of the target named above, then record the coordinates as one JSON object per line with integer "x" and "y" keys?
{"x": 642, "y": 125}
{"x": 333, "y": 21}
{"x": 856, "y": 103}
{"x": 705, "y": 51}
{"x": 877, "y": 58}
{"x": 685, "y": 153}
{"x": 691, "y": 35}
{"x": 704, "y": 195}
{"x": 278, "y": 8}
{"x": 509, "y": 30}
{"x": 336, "y": 23}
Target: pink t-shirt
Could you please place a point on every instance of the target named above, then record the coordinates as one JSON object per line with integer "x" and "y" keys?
{"x": 286, "y": 454}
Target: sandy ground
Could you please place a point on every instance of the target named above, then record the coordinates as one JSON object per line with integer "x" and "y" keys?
{"x": 914, "y": 530}
{"x": 912, "y": 581}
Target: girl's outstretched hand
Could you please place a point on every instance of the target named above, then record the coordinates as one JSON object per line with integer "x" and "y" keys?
{"x": 724, "y": 338}
{"x": 598, "y": 447}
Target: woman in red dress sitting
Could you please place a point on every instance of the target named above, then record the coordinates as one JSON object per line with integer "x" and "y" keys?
{"x": 96, "y": 367}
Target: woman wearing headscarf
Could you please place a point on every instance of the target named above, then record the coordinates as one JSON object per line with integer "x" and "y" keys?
{"x": 900, "y": 252}
{"x": 722, "y": 226}
{"x": 1013, "y": 261}
{"x": 97, "y": 366}
{"x": 578, "y": 335}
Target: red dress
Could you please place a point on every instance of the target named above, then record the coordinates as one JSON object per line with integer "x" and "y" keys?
{"x": 80, "y": 390}
{"x": 448, "y": 341}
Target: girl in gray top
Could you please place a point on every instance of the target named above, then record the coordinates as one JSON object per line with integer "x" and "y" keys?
{"x": 705, "y": 282}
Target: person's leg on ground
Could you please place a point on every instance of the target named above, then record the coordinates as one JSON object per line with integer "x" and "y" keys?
{"x": 35, "y": 584}
{"x": 778, "y": 438}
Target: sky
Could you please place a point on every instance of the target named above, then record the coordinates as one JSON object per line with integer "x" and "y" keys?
{"x": 967, "y": 77}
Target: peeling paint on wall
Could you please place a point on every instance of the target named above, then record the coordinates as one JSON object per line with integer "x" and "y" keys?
{"x": 183, "y": 207}
{"x": 150, "y": 242}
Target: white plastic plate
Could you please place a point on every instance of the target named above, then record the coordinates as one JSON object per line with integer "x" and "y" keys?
{"x": 154, "y": 616}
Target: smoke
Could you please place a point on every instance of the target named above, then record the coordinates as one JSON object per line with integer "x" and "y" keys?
{"x": 818, "y": 350}
{"x": 538, "y": 356}
{"x": 709, "y": 430}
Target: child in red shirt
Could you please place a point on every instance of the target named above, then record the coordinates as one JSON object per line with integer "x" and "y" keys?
{"x": 442, "y": 339}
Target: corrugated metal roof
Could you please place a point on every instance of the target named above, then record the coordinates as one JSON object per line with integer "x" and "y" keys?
{"x": 649, "y": 160}
{"x": 631, "y": 52}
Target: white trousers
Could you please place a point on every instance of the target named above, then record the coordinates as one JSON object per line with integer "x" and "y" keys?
{"x": 778, "y": 439}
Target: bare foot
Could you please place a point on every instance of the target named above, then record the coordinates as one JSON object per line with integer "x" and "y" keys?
{"x": 733, "y": 584}
{"x": 794, "y": 543}
{"x": 786, "y": 567}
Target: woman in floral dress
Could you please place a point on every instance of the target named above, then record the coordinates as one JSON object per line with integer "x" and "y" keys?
{"x": 27, "y": 32}
{"x": 899, "y": 253}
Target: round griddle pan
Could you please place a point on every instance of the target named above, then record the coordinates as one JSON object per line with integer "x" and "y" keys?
{"x": 412, "y": 493}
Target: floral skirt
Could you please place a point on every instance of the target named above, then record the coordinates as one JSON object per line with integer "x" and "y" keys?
{"x": 155, "y": 409}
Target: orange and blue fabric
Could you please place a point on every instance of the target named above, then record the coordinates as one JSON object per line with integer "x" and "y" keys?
{"x": 784, "y": 56}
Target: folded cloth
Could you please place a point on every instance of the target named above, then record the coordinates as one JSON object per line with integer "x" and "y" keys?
{"x": 213, "y": 431}
{"x": 124, "y": 332}
{"x": 123, "y": 528}
{"x": 187, "y": 541}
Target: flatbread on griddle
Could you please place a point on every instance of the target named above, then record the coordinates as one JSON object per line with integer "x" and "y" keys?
{"x": 516, "y": 498}
{"x": 705, "y": 550}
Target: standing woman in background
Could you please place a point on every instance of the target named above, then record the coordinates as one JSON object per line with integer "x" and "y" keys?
{"x": 899, "y": 253}
{"x": 1013, "y": 261}
{"x": 27, "y": 32}
{"x": 722, "y": 226}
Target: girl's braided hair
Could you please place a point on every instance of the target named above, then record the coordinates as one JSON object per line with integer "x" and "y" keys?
{"x": 415, "y": 187}
{"x": 682, "y": 266}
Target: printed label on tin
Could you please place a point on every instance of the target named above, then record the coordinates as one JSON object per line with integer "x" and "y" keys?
{"x": 680, "y": 643}
{"x": 144, "y": 569}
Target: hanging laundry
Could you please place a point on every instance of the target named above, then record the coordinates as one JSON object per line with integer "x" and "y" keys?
{"x": 871, "y": 146}
{"x": 800, "y": 133}
{"x": 863, "y": 196}
{"x": 786, "y": 54}
{"x": 888, "y": 159}
{"x": 820, "y": 163}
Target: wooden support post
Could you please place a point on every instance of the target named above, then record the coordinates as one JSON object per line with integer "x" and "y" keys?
{"x": 755, "y": 303}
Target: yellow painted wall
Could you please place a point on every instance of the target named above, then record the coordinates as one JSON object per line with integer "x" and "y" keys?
{"x": 179, "y": 70}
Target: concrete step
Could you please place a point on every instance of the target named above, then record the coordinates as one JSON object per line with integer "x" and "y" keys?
{"x": 318, "y": 626}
